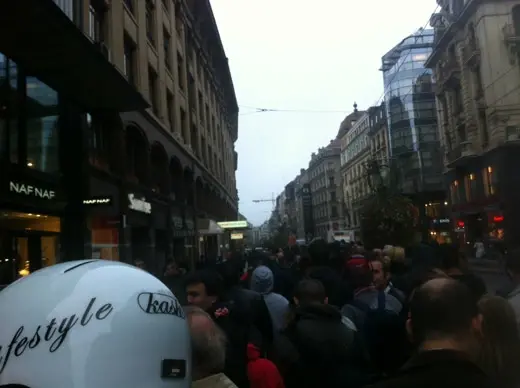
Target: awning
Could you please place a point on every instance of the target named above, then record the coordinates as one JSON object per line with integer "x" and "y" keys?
{"x": 41, "y": 38}
{"x": 208, "y": 227}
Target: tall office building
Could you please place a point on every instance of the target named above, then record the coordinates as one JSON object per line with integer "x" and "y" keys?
{"x": 412, "y": 124}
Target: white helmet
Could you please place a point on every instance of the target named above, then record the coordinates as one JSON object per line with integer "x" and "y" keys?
{"x": 93, "y": 324}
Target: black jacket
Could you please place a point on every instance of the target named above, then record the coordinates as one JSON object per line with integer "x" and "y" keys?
{"x": 254, "y": 313}
{"x": 318, "y": 350}
{"x": 230, "y": 320}
{"x": 438, "y": 369}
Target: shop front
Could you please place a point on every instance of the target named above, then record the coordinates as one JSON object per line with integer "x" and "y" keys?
{"x": 440, "y": 230}
{"x": 31, "y": 208}
{"x": 103, "y": 212}
{"x": 138, "y": 230}
{"x": 178, "y": 235}
{"x": 209, "y": 238}
{"x": 161, "y": 236}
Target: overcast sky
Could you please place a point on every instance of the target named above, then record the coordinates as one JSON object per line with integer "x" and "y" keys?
{"x": 304, "y": 56}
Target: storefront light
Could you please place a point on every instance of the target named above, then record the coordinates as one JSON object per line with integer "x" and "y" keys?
{"x": 30, "y": 164}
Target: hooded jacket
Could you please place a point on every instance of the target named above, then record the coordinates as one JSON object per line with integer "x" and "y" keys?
{"x": 316, "y": 350}
{"x": 262, "y": 373}
{"x": 262, "y": 281}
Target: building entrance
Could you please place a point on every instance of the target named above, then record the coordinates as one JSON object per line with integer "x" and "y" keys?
{"x": 28, "y": 242}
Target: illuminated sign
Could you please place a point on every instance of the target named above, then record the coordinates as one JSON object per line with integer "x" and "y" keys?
{"x": 98, "y": 201}
{"x": 237, "y": 236}
{"x": 139, "y": 204}
{"x": 31, "y": 190}
{"x": 232, "y": 224}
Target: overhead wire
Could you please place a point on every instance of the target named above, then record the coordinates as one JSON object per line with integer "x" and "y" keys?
{"x": 379, "y": 100}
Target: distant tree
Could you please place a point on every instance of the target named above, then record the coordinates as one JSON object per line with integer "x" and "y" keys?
{"x": 387, "y": 217}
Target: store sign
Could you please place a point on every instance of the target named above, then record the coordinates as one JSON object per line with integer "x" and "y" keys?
{"x": 98, "y": 201}
{"x": 442, "y": 221}
{"x": 139, "y": 205}
{"x": 31, "y": 191}
{"x": 237, "y": 236}
{"x": 232, "y": 224}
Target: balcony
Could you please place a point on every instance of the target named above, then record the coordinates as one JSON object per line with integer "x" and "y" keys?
{"x": 449, "y": 73}
{"x": 471, "y": 54}
{"x": 512, "y": 42}
{"x": 460, "y": 155}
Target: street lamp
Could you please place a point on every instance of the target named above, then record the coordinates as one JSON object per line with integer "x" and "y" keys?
{"x": 377, "y": 174}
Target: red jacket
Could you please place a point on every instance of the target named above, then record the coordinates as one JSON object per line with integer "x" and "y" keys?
{"x": 261, "y": 372}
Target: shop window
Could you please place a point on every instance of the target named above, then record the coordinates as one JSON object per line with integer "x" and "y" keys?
{"x": 42, "y": 126}
{"x": 105, "y": 239}
{"x": 455, "y": 192}
{"x": 488, "y": 176}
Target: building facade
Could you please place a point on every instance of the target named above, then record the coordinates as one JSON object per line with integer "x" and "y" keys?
{"x": 304, "y": 211}
{"x": 479, "y": 115}
{"x": 378, "y": 135}
{"x": 355, "y": 155}
{"x": 324, "y": 182}
{"x": 411, "y": 113}
{"x": 117, "y": 140}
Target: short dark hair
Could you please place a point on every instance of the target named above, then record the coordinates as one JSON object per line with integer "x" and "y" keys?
{"x": 310, "y": 291}
{"x": 442, "y": 308}
{"x": 211, "y": 280}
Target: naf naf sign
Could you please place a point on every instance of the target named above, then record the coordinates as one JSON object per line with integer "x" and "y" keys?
{"x": 31, "y": 190}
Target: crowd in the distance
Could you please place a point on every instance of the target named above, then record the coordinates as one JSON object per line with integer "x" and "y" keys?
{"x": 334, "y": 315}
{"x": 339, "y": 316}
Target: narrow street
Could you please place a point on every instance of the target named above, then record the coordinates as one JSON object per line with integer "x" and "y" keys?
{"x": 491, "y": 273}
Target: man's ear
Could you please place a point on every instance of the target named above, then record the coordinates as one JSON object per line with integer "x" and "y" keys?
{"x": 326, "y": 301}
{"x": 476, "y": 323}
{"x": 296, "y": 301}
{"x": 409, "y": 329}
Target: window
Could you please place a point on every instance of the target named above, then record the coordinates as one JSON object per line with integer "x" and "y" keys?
{"x": 333, "y": 196}
{"x": 167, "y": 49}
{"x": 170, "y": 109}
{"x": 183, "y": 124}
{"x": 130, "y": 63}
{"x": 489, "y": 178}
{"x": 454, "y": 192}
{"x": 152, "y": 90}
{"x": 180, "y": 72}
{"x": 130, "y": 5}
{"x": 201, "y": 107}
{"x": 8, "y": 114}
{"x": 334, "y": 212}
{"x": 42, "y": 126}
{"x": 97, "y": 146}
{"x": 150, "y": 22}
{"x": 96, "y": 24}
{"x": 470, "y": 187}
{"x": 331, "y": 181}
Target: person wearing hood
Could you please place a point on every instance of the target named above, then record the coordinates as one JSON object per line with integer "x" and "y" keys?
{"x": 316, "y": 348}
{"x": 262, "y": 281}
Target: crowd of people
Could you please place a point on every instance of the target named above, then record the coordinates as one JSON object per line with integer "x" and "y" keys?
{"x": 334, "y": 315}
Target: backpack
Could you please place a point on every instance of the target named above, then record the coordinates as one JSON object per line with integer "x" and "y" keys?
{"x": 383, "y": 333}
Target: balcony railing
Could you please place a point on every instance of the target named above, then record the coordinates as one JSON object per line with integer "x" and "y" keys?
{"x": 460, "y": 154}
{"x": 449, "y": 71}
{"x": 67, "y": 6}
{"x": 471, "y": 54}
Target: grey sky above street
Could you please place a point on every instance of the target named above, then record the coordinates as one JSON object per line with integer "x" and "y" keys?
{"x": 303, "y": 56}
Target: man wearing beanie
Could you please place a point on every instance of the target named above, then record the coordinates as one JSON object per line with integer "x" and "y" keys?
{"x": 262, "y": 281}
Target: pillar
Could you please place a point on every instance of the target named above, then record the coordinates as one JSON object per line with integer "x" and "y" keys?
{"x": 75, "y": 239}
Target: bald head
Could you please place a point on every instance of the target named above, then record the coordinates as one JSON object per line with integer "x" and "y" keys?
{"x": 208, "y": 343}
{"x": 442, "y": 308}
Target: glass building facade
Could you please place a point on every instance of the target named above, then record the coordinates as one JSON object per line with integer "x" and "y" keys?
{"x": 411, "y": 113}
{"x": 28, "y": 120}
